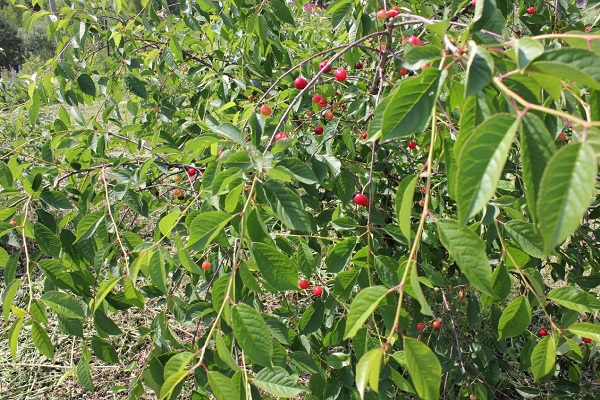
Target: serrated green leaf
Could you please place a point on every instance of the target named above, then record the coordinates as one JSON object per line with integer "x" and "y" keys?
{"x": 84, "y": 375}
{"x": 13, "y": 336}
{"x": 339, "y": 255}
{"x": 299, "y": 170}
{"x": 278, "y": 270}
{"x": 526, "y": 51}
{"x": 167, "y": 223}
{"x": 64, "y": 69}
{"x": 468, "y": 250}
{"x": 481, "y": 161}
{"x": 8, "y": 295}
{"x": 103, "y": 290}
{"x": 368, "y": 370}
{"x": 88, "y": 225}
{"x": 250, "y": 331}
{"x": 104, "y": 350}
{"x": 566, "y": 191}
{"x": 424, "y": 368}
{"x": 287, "y": 206}
{"x": 175, "y": 372}
{"x": 224, "y": 353}
{"x": 47, "y": 240}
{"x": 338, "y": 10}
{"x": 363, "y": 305}
{"x": 41, "y": 340}
{"x": 158, "y": 272}
{"x": 404, "y": 203}
{"x": 515, "y": 318}
{"x": 575, "y": 299}
{"x": 222, "y": 386}
{"x": 205, "y": 227}
{"x": 278, "y": 382}
{"x": 410, "y": 109}
{"x": 86, "y": 84}
{"x": 282, "y": 12}
{"x": 56, "y": 200}
{"x": 136, "y": 86}
{"x": 543, "y": 358}
{"x": 63, "y": 304}
{"x": 480, "y": 68}
{"x": 586, "y": 329}
{"x": 525, "y": 237}
{"x": 570, "y": 64}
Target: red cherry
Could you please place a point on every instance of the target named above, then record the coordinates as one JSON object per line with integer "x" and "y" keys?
{"x": 586, "y": 340}
{"x": 473, "y": 3}
{"x": 328, "y": 115}
{"x": 588, "y": 28}
{"x": 382, "y": 15}
{"x": 543, "y": 332}
{"x": 181, "y": 197}
{"x": 325, "y": 66}
{"x": 364, "y": 135}
{"x": 176, "y": 192}
{"x": 318, "y": 130}
{"x": 421, "y": 203}
{"x": 322, "y": 102}
{"x": 415, "y": 41}
{"x": 340, "y": 74}
{"x": 358, "y": 65}
{"x": 437, "y": 324}
{"x": 561, "y": 136}
{"x": 518, "y": 32}
{"x": 206, "y": 265}
{"x": 318, "y": 291}
{"x": 281, "y": 135}
{"x": 403, "y": 71}
{"x": 300, "y": 83}
{"x": 303, "y": 284}
{"x": 13, "y": 223}
{"x": 412, "y": 145}
{"x": 316, "y": 98}
{"x": 361, "y": 199}
{"x": 420, "y": 326}
{"x": 191, "y": 172}
{"x": 265, "y": 110}
{"x": 530, "y": 10}
{"x": 395, "y": 8}
{"x": 392, "y": 13}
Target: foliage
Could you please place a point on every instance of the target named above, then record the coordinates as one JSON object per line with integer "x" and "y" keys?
{"x": 472, "y": 240}
{"x": 11, "y": 44}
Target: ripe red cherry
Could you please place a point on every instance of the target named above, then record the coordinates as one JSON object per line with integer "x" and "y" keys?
{"x": 392, "y": 13}
{"x": 181, "y": 197}
{"x": 412, "y": 145}
{"x": 300, "y": 83}
{"x": 518, "y": 32}
{"x": 543, "y": 332}
{"x": 437, "y": 324}
{"x": 206, "y": 265}
{"x": 358, "y": 65}
{"x": 340, "y": 74}
{"x": 325, "y": 66}
{"x": 281, "y": 135}
{"x": 323, "y": 102}
{"x": 318, "y": 130}
{"x": 586, "y": 340}
{"x": 588, "y": 28}
{"x": 328, "y": 115}
{"x": 265, "y": 110}
{"x": 191, "y": 172}
{"x": 361, "y": 199}
{"x": 364, "y": 135}
{"x": 176, "y": 192}
{"x": 13, "y": 223}
{"x": 318, "y": 291}
{"x": 473, "y": 3}
{"x": 395, "y": 8}
{"x": 530, "y": 10}
{"x": 317, "y": 98}
{"x": 420, "y": 326}
{"x": 303, "y": 284}
{"x": 561, "y": 136}
{"x": 415, "y": 41}
{"x": 381, "y": 15}
{"x": 403, "y": 71}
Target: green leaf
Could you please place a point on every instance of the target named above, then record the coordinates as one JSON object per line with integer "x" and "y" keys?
{"x": 175, "y": 372}
{"x": 8, "y": 295}
{"x": 282, "y": 12}
{"x": 586, "y": 329}
{"x": 566, "y": 191}
{"x": 575, "y": 299}
{"x": 410, "y": 109}
{"x": 339, "y": 255}
{"x": 537, "y": 147}
{"x": 63, "y": 304}
{"x": 104, "y": 350}
{"x": 205, "y": 227}
{"x": 84, "y": 376}
{"x": 41, "y": 340}
{"x": 417, "y": 293}
{"x": 103, "y": 290}
{"x": 278, "y": 270}
{"x": 167, "y": 223}
{"x": 299, "y": 170}
{"x": 488, "y": 17}
{"x": 13, "y": 336}
{"x": 86, "y": 85}
{"x": 56, "y": 200}
{"x": 526, "y": 51}
{"x": 47, "y": 240}
{"x": 368, "y": 370}
{"x": 6, "y": 177}
{"x": 175, "y": 48}
{"x": 278, "y": 382}
{"x": 570, "y": 64}
{"x": 404, "y": 203}
{"x": 363, "y": 305}
{"x": 222, "y": 386}
{"x": 338, "y": 10}
{"x": 64, "y": 69}
{"x": 158, "y": 272}
{"x": 88, "y": 225}
{"x": 136, "y": 86}
{"x": 250, "y": 330}
{"x": 525, "y": 237}
{"x": 468, "y": 250}
{"x": 480, "y": 69}
{"x": 287, "y": 206}
{"x": 224, "y": 353}
{"x": 515, "y": 318}
{"x": 424, "y": 368}
{"x": 231, "y": 132}
{"x": 34, "y": 108}
{"x": 481, "y": 161}
{"x": 543, "y": 358}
